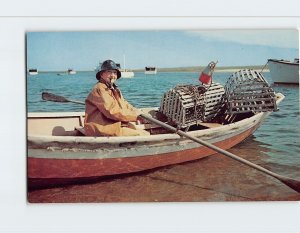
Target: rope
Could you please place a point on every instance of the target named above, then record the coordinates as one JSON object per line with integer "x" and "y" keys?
{"x": 264, "y": 67}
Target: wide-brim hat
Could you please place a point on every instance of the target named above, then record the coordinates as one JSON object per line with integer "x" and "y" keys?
{"x": 108, "y": 65}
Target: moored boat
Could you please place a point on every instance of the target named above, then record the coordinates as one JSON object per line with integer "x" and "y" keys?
{"x": 125, "y": 73}
{"x": 71, "y": 71}
{"x": 33, "y": 71}
{"x": 285, "y": 72}
{"x": 150, "y": 70}
{"x": 58, "y": 149}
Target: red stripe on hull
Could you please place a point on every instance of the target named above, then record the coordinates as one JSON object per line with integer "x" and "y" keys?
{"x": 72, "y": 168}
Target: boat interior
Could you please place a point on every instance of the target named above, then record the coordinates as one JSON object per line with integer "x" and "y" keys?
{"x": 72, "y": 124}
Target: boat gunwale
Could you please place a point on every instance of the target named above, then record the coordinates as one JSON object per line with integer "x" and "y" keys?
{"x": 284, "y": 62}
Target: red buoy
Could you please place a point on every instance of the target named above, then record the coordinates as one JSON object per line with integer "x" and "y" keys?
{"x": 206, "y": 75}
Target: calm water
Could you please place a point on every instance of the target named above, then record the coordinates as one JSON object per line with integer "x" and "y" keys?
{"x": 277, "y": 139}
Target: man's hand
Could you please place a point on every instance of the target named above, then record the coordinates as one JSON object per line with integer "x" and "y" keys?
{"x": 141, "y": 120}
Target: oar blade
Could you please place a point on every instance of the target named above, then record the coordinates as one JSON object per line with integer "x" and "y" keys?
{"x": 55, "y": 98}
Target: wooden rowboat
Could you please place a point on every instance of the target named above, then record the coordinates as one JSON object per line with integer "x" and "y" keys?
{"x": 57, "y": 149}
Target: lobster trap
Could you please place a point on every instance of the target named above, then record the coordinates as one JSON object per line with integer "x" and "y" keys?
{"x": 185, "y": 105}
{"x": 248, "y": 91}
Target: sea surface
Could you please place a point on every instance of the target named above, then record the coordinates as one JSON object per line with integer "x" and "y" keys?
{"x": 276, "y": 144}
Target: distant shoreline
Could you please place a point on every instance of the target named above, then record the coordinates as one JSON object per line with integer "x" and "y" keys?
{"x": 236, "y": 70}
{"x": 229, "y": 69}
{"x": 220, "y": 70}
{"x": 186, "y": 69}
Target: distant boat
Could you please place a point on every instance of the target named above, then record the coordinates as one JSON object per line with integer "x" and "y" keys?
{"x": 71, "y": 71}
{"x": 124, "y": 72}
{"x": 150, "y": 70}
{"x": 283, "y": 71}
{"x": 33, "y": 71}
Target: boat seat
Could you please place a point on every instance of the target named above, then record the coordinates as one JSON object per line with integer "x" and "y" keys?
{"x": 81, "y": 130}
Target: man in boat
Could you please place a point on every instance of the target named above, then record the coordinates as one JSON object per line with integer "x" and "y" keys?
{"x": 107, "y": 112}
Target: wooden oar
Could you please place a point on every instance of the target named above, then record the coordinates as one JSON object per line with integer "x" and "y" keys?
{"x": 294, "y": 184}
{"x": 56, "y": 98}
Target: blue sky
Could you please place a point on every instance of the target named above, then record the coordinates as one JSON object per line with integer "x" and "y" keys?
{"x": 84, "y": 50}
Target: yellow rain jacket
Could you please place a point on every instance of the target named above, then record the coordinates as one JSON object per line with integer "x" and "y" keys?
{"x": 106, "y": 110}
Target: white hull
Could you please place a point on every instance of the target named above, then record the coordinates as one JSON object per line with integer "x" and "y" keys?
{"x": 284, "y": 71}
{"x": 151, "y": 72}
{"x": 71, "y": 72}
{"x": 33, "y": 73}
{"x": 127, "y": 74}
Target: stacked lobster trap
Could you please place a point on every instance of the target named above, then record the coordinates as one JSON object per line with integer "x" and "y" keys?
{"x": 248, "y": 91}
{"x": 186, "y": 105}
{"x": 245, "y": 91}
